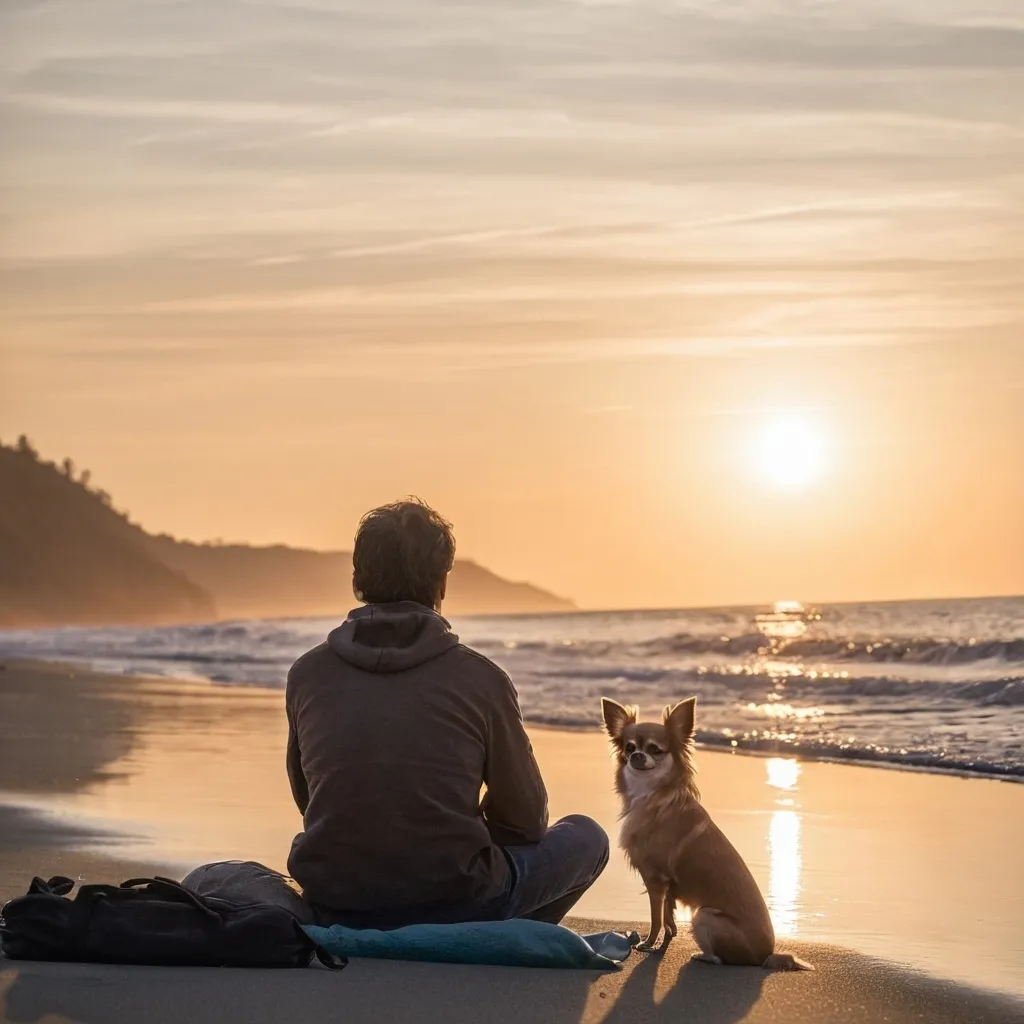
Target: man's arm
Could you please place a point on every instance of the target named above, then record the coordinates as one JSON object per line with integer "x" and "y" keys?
{"x": 300, "y": 788}
{"x": 515, "y": 806}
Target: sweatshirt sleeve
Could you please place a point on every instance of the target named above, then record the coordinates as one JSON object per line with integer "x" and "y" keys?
{"x": 515, "y": 806}
{"x": 293, "y": 760}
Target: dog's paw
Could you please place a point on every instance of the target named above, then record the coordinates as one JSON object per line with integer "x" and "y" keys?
{"x": 705, "y": 958}
{"x": 648, "y": 945}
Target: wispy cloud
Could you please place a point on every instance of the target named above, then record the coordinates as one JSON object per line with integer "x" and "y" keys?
{"x": 599, "y": 177}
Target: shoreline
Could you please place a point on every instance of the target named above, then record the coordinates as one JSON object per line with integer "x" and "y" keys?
{"x": 801, "y": 755}
{"x": 770, "y": 751}
{"x": 119, "y": 769}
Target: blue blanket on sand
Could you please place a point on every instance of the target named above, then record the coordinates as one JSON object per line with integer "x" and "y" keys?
{"x": 498, "y": 943}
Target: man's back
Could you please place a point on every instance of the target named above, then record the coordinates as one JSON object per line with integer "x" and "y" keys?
{"x": 393, "y": 728}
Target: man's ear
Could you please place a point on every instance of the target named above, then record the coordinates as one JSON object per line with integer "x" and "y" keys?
{"x": 616, "y": 717}
{"x": 680, "y": 718}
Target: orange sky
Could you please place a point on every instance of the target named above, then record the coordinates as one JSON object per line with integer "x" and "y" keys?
{"x": 555, "y": 267}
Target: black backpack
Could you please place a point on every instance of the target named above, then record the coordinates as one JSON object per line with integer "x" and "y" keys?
{"x": 152, "y": 921}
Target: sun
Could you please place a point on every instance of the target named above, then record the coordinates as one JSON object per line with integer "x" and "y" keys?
{"x": 789, "y": 451}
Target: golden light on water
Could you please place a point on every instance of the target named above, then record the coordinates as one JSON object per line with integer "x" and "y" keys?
{"x": 785, "y": 866}
{"x": 784, "y": 860}
{"x": 783, "y": 772}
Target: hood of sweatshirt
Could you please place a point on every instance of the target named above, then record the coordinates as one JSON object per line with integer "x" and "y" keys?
{"x": 391, "y": 637}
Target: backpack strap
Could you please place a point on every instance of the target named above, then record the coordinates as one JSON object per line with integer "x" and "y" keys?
{"x": 59, "y": 885}
{"x": 170, "y": 890}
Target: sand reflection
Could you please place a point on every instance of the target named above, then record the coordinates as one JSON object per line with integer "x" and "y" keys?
{"x": 784, "y": 858}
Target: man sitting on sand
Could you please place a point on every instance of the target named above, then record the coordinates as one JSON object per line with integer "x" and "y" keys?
{"x": 394, "y": 729}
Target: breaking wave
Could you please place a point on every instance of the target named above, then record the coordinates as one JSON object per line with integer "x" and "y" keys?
{"x": 931, "y": 685}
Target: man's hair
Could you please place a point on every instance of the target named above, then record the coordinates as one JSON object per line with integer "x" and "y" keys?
{"x": 403, "y": 552}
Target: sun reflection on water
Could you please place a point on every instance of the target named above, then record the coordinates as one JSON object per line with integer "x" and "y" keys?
{"x": 784, "y": 860}
{"x": 784, "y": 871}
{"x": 783, "y": 772}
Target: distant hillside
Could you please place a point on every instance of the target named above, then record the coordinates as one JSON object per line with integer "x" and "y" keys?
{"x": 270, "y": 582}
{"x": 68, "y": 557}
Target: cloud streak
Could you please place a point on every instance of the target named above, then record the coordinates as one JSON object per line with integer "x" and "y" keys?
{"x": 590, "y": 175}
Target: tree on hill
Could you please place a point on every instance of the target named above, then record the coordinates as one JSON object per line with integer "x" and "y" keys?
{"x": 67, "y": 555}
{"x": 25, "y": 447}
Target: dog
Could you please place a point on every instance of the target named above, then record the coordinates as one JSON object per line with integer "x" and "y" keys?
{"x": 678, "y": 851}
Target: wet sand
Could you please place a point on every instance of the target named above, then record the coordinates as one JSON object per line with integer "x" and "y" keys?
{"x": 134, "y": 776}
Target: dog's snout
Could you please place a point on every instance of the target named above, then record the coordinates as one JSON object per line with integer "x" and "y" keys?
{"x": 637, "y": 759}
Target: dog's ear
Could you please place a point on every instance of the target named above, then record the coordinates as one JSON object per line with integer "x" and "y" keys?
{"x": 617, "y": 717}
{"x": 680, "y": 719}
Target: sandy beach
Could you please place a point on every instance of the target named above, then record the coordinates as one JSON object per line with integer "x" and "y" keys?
{"x": 103, "y": 777}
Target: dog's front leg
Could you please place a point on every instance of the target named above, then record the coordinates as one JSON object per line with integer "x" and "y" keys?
{"x": 656, "y": 892}
{"x": 670, "y": 916}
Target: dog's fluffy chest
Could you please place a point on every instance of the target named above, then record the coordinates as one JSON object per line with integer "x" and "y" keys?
{"x": 637, "y": 790}
{"x": 655, "y": 822}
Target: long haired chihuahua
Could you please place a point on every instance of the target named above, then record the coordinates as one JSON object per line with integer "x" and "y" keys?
{"x": 679, "y": 852}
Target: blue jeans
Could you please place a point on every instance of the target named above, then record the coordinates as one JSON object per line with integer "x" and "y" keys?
{"x": 545, "y": 880}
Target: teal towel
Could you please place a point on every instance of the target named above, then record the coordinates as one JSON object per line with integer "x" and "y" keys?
{"x": 498, "y": 943}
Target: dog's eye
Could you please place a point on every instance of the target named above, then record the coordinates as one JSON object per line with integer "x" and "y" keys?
{"x": 654, "y": 751}
{"x": 630, "y": 747}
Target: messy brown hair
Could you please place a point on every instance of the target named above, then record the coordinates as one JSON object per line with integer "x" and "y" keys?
{"x": 403, "y": 552}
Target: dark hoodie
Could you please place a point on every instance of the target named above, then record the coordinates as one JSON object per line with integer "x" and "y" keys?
{"x": 394, "y": 727}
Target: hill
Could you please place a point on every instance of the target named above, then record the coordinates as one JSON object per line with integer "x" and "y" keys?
{"x": 68, "y": 557}
{"x": 271, "y": 582}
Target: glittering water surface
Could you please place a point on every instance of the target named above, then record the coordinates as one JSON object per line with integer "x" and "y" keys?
{"x": 936, "y": 684}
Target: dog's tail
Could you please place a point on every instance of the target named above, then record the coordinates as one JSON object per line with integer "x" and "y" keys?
{"x": 786, "y": 962}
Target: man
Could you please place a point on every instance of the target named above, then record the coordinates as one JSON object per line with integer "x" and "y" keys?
{"x": 394, "y": 729}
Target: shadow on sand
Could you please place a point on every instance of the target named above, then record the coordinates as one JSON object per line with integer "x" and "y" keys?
{"x": 712, "y": 995}
{"x": 31, "y": 993}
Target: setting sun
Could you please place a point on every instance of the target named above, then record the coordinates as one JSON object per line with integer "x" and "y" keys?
{"x": 790, "y": 451}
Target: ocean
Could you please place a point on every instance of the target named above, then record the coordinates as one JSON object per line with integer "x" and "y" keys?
{"x": 935, "y": 685}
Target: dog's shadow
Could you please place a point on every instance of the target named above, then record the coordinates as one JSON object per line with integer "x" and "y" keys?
{"x": 715, "y": 995}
